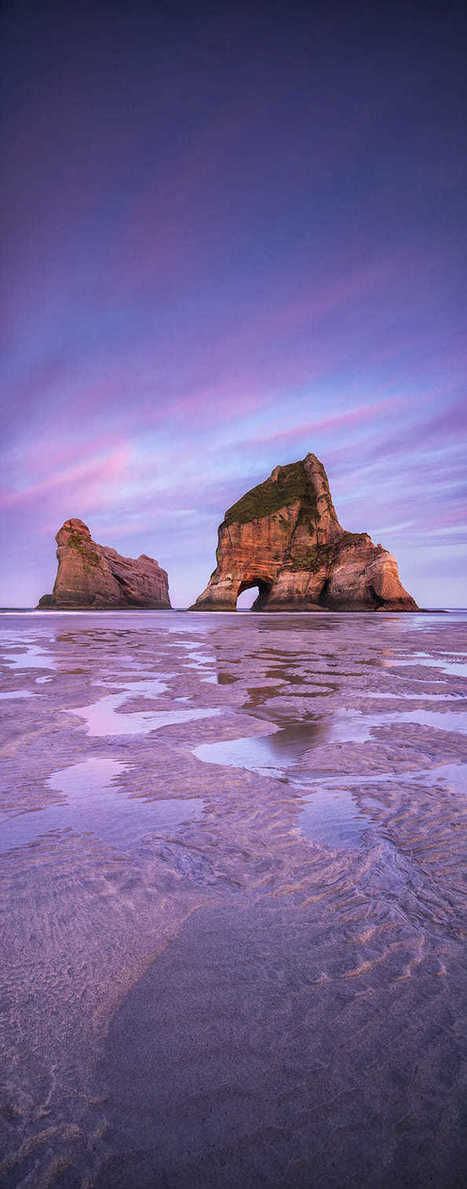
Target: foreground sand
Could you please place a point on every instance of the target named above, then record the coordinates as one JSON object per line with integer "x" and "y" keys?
{"x": 231, "y": 892}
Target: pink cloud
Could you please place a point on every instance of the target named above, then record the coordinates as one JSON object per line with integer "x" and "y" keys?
{"x": 358, "y": 415}
{"x": 84, "y": 477}
{"x": 60, "y": 452}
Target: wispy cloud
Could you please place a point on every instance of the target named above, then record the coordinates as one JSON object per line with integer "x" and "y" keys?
{"x": 82, "y": 480}
{"x": 359, "y": 415}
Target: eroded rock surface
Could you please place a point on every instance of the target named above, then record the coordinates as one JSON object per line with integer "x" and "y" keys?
{"x": 97, "y": 577}
{"x": 284, "y": 537}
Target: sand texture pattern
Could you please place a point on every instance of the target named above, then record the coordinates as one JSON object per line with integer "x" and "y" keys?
{"x": 231, "y": 890}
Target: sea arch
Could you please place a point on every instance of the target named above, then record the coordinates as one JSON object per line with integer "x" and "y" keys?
{"x": 262, "y": 585}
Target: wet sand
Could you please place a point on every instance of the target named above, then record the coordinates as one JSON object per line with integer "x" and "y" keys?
{"x": 231, "y": 869}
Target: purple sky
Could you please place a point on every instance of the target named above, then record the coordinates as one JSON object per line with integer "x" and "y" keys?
{"x": 232, "y": 234}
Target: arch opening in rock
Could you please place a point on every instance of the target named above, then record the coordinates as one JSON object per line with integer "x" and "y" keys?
{"x": 247, "y": 601}
{"x": 283, "y": 537}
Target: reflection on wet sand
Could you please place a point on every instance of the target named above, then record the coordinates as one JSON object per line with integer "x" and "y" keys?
{"x": 287, "y": 746}
{"x": 269, "y": 754}
{"x": 105, "y": 717}
{"x": 331, "y": 817}
{"x": 231, "y": 939}
{"x": 96, "y": 805}
{"x": 34, "y": 657}
{"x": 448, "y": 664}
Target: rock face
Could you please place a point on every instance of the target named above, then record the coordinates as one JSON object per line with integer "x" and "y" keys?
{"x": 284, "y": 537}
{"x": 96, "y": 577}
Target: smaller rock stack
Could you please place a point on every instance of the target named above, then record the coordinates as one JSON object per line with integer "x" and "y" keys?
{"x": 95, "y": 577}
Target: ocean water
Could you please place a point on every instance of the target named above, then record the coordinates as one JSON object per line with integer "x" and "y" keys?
{"x": 231, "y": 858}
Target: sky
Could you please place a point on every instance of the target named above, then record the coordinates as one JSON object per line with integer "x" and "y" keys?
{"x": 232, "y": 234}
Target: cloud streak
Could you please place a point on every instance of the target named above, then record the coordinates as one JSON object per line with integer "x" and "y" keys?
{"x": 228, "y": 242}
{"x": 81, "y": 481}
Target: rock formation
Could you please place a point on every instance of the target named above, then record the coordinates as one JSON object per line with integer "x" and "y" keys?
{"x": 284, "y": 537}
{"x": 96, "y": 577}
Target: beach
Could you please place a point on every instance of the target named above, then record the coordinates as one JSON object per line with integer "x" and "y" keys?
{"x": 231, "y": 853}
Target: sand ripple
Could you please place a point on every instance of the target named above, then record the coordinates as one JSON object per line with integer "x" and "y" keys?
{"x": 265, "y": 986}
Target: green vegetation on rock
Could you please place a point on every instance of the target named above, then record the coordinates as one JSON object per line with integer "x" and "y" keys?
{"x": 89, "y": 555}
{"x": 292, "y": 485}
{"x": 312, "y": 559}
{"x": 355, "y": 538}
